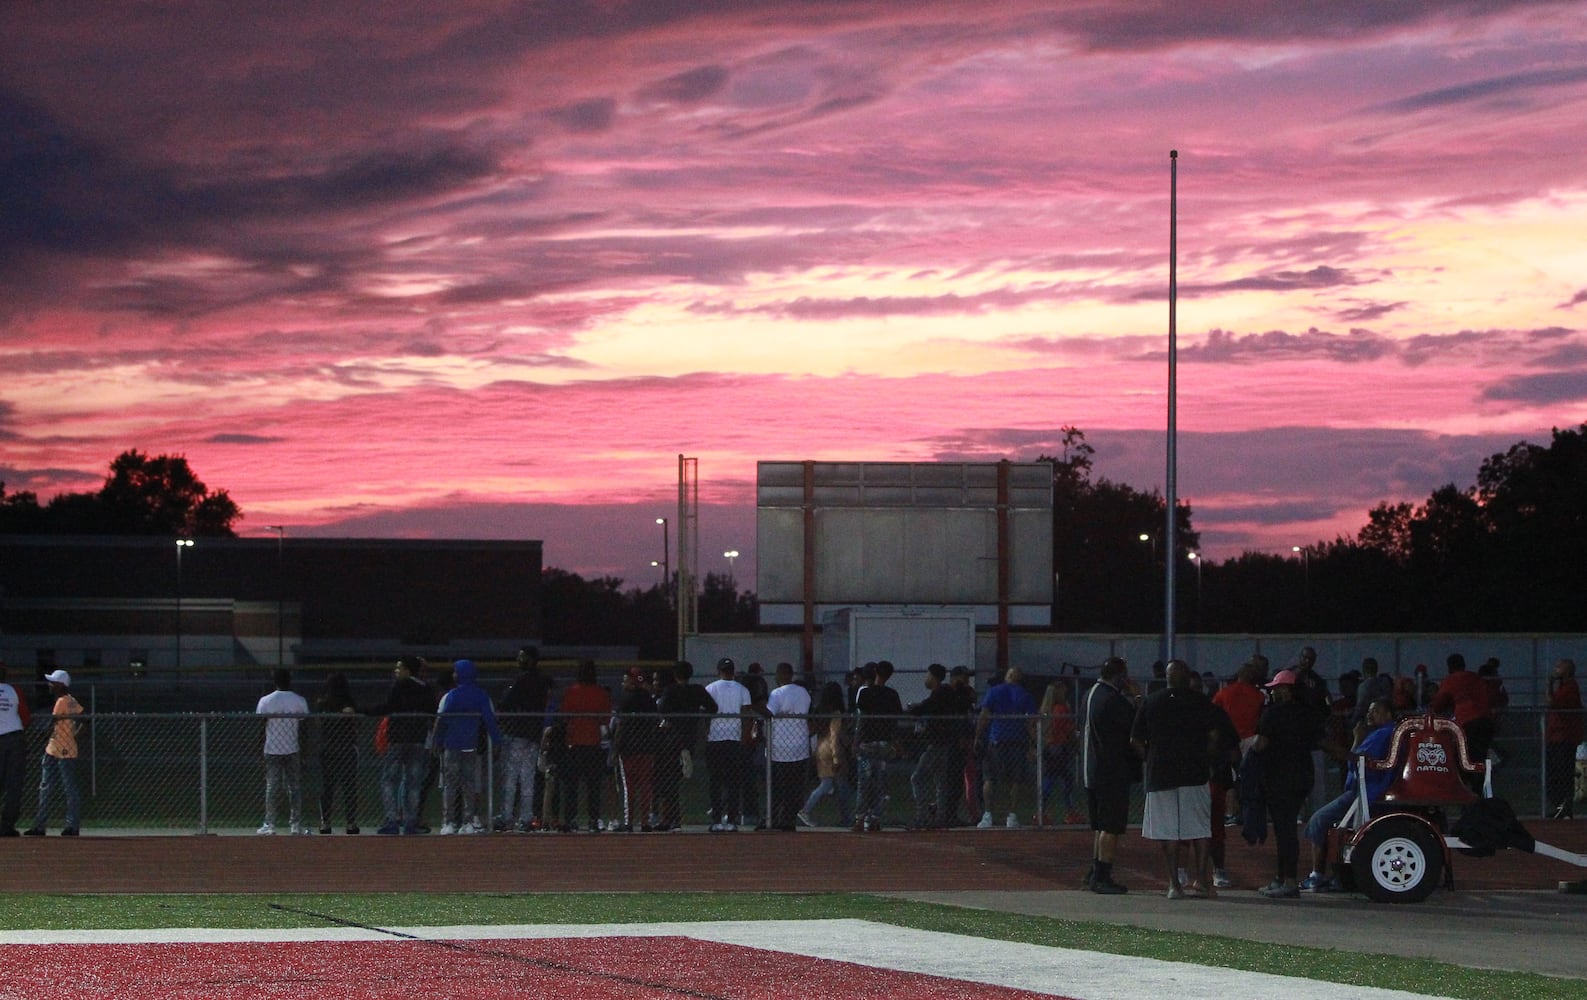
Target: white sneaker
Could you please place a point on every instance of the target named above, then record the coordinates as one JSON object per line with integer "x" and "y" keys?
{"x": 986, "y": 822}
{"x": 1220, "y": 879}
{"x": 1012, "y": 822}
{"x": 299, "y": 830}
{"x": 474, "y": 827}
{"x": 804, "y": 819}
{"x": 268, "y": 830}
{"x": 447, "y": 829}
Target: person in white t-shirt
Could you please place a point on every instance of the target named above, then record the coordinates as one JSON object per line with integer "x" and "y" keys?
{"x": 788, "y": 742}
{"x": 283, "y": 767}
{"x": 726, "y": 756}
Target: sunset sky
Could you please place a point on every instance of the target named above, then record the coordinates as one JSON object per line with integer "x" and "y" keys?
{"x": 484, "y": 269}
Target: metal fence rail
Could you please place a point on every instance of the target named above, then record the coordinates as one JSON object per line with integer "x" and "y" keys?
{"x": 204, "y": 773}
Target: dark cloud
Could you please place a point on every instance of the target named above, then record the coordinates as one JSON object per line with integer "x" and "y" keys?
{"x": 687, "y": 88}
{"x": 1542, "y": 389}
{"x": 1429, "y": 347}
{"x": 1223, "y": 347}
{"x": 1511, "y": 86}
{"x": 594, "y": 115}
{"x": 1367, "y": 313}
{"x": 48, "y": 481}
{"x": 242, "y": 439}
{"x": 1575, "y": 300}
{"x": 1275, "y": 513}
{"x": 806, "y": 308}
{"x": 1564, "y": 356}
{"x": 1321, "y": 276}
{"x": 62, "y": 193}
{"x": 1151, "y": 26}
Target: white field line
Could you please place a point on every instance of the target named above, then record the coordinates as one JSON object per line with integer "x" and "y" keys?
{"x": 1083, "y": 975}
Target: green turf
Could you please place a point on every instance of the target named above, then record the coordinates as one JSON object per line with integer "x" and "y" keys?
{"x": 404, "y": 909}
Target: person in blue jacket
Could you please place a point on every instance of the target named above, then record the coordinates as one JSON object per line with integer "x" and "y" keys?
{"x": 1374, "y": 745}
{"x": 462, "y": 710}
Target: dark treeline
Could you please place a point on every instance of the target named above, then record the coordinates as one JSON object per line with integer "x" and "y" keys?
{"x": 576, "y": 611}
{"x": 1507, "y": 553}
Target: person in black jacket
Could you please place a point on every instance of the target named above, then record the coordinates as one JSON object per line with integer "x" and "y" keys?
{"x": 1110, "y": 768}
{"x": 410, "y": 708}
{"x": 932, "y": 781}
{"x": 877, "y": 707}
{"x": 338, "y": 750}
{"x": 683, "y": 706}
{"x": 522, "y": 714}
{"x": 1289, "y": 730}
{"x": 635, "y": 735}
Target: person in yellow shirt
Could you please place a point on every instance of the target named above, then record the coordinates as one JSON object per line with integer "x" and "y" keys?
{"x": 59, "y": 766}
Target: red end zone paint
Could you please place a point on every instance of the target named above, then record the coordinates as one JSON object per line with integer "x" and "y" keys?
{"x": 619, "y": 968}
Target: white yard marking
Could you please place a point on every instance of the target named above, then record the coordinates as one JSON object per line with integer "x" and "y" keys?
{"x": 1083, "y": 975}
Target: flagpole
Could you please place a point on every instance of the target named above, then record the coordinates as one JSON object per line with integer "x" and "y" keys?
{"x": 1170, "y": 547}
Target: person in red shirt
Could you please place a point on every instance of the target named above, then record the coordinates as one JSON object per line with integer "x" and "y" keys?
{"x": 587, "y": 707}
{"x": 1058, "y": 752}
{"x": 1464, "y": 695}
{"x": 1562, "y": 731}
{"x": 1242, "y": 699}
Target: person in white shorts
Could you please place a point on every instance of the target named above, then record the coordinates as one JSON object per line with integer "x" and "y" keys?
{"x": 1171, "y": 733}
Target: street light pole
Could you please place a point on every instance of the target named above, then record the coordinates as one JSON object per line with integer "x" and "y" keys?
{"x": 731, "y": 555}
{"x": 1305, "y": 577}
{"x": 181, "y": 543}
{"x": 1152, "y": 539}
{"x": 666, "y": 564}
{"x": 281, "y": 628}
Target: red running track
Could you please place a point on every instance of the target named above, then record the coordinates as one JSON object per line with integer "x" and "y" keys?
{"x": 619, "y": 968}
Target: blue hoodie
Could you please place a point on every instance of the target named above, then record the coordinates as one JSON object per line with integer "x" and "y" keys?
{"x": 462, "y": 709}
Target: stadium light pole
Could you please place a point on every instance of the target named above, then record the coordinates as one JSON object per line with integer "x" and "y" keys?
{"x": 731, "y": 554}
{"x": 181, "y": 543}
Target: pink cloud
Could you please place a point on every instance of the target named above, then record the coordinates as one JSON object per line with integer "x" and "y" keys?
{"x": 411, "y": 268}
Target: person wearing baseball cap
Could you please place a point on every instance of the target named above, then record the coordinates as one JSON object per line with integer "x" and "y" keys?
{"x": 1286, "y": 734}
{"x": 59, "y": 766}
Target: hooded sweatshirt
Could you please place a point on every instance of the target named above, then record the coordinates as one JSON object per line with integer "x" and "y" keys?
{"x": 462, "y": 709}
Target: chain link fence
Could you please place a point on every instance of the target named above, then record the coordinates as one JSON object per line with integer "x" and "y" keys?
{"x": 206, "y": 773}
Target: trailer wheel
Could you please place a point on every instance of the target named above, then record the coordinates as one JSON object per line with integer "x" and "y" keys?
{"x": 1398, "y": 861}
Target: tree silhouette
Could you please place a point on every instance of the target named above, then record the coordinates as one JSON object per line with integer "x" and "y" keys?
{"x": 143, "y": 495}
{"x": 1108, "y": 579}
